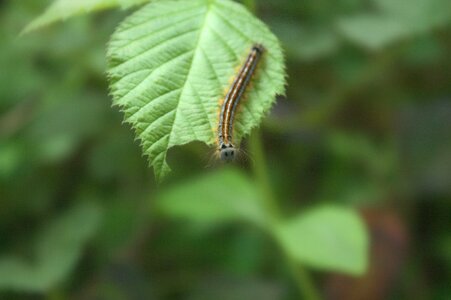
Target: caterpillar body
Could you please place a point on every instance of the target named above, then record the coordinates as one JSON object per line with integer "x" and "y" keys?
{"x": 226, "y": 148}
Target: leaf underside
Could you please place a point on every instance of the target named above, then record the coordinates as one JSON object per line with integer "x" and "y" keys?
{"x": 171, "y": 63}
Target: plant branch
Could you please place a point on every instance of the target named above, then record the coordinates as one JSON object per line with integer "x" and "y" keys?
{"x": 303, "y": 280}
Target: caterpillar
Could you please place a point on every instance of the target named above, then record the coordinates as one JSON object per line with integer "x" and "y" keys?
{"x": 226, "y": 148}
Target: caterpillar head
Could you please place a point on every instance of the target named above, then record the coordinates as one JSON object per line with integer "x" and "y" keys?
{"x": 227, "y": 152}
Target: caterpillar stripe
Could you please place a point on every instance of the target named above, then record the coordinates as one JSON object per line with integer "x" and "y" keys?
{"x": 232, "y": 99}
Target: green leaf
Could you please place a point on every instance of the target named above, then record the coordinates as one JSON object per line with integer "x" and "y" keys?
{"x": 396, "y": 20}
{"x": 330, "y": 238}
{"x": 64, "y": 9}
{"x": 223, "y": 196}
{"x": 378, "y": 159}
{"x": 421, "y": 14}
{"x": 373, "y": 31}
{"x": 57, "y": 250}
{"x": 171, "y": 62}
{"x": 312, "y": 42}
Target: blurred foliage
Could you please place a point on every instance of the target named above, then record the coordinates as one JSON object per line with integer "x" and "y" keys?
{"x": 366, "y": 123}
{"x": 395, "y": 20}
{"x": 327, "y": 237}
{"x": 57, "y": 249}
{"x": 330, "y": 238}
{"x": 64, "y": 9}
{"x": 220, "y": 197}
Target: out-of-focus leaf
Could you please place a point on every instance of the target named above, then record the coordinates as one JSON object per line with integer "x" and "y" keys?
{"x": 223, "y": 287}
{"x": 310, "y": 44}
{"x": 170, "y": 62}
{"x": 57, "y": 250}
{"x": 57, "y": 131}
{"x": 396, "y": 20}
{"x": 373, "y": 31}
{"x": 421, "y": 14}
{"x": 330, "y": 238}
{"x": 224, "y": 196}
{"x": 10, "y": 157}
{"x": 64, "y": 9}
{"x": 121, "y": 219}
{"x": 425, "y": 142}
{"x": 425, "y": 51}
{"x": 378, "y": 160}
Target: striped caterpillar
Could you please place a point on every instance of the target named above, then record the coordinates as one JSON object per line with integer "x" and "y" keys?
{"x": 226, "y": 149}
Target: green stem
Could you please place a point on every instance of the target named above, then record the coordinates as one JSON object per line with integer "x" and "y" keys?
{"x": 261, "y": 176}
{"x": 303, "y": 280}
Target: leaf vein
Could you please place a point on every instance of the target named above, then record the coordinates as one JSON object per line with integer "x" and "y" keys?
{"x": 161, "y": 44}
{"x": 160, "y": 16}
{"x": 153, "y": 71}
{"x": 128, "y": 43}
{"x": 199, "y": 38}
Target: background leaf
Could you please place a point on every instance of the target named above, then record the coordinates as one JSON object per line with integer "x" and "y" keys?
{"x": 170, "y": 63}
{"x": 64, "y": 9}
{"x": 221, "y": 197}
{"x": 395, "y": 21}
{"x": 328, "y": 237}
{"x": 373, "y": 31}
{"x": 56, "y": 252}
{"x": 313, "y": 43}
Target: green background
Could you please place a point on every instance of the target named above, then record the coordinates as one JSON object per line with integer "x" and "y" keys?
{"x": 366, "y": 123}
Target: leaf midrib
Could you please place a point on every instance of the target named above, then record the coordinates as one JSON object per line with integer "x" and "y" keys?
{"x": 196, "y": 52}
